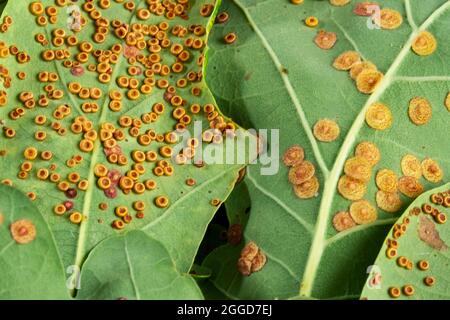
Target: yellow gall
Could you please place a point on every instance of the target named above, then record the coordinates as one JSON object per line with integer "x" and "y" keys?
{"x": 419, "y": 111}
{"x": 311, "y": 21}
{"x": 424, "y": 44}
{"x": 358, "y": 168}
{"x": 386, "y": 180}
{"x": 390, "y": 19}
{"x": 368, "y": 80}
{"x": 394, "y": 292}
{"x": 326, "y": 130}
{"x": 379, "y": 116}
{"x": 363, "y": 212}
{"x": 411, "y": 166}
{"x": 339, "y": 3}
{"x": 389, "y": 201}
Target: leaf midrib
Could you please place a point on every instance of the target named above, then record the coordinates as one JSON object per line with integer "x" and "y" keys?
{"x": 80, "y": 253}
{"x": 320, "y": 242}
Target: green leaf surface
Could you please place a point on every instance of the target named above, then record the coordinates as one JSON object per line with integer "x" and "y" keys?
{"x": 275, "y": 77}
{"x": 134, "y": 266}
{"x": 181, "y": 225}
{"x": 412, "y": 246}
{"x": 32, "y": 270}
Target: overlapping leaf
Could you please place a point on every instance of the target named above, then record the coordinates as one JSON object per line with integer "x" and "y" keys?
{"x": 413, "y": 246}
{"x": 274, "y": 76}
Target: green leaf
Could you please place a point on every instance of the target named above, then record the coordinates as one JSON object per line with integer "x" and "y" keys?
{"x": 275, "y": 77}
{"x": 413, "y": 246}
{"x": 2, "y": 5}
{"x": 32, "y": 270}
{"x": 134, "y": 266}
{"x": 181, "y": 225}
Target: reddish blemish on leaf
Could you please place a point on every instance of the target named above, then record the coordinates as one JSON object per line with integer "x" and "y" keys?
{"x": 234, "y": 234}
{"x": 428, "y": 234}
{"x": 130, "y": 52}
{"x": 366, "y": 9}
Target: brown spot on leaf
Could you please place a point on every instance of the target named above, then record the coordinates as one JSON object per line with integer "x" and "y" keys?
{"x": 234, "y": 234}
{"x": 429, "y": 234}
{"x": 252, "y": 259}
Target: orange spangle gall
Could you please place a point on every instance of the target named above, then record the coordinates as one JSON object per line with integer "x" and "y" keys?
{"x": 342, "y": 221}
{"x": 408, "y": 290}
{"x": 362, "y": 212}
{"x": 326, "y": 130}
{"x": 76, "y": 217}
{"x": 424, "y": 44}
{"x": 325, "y": 39}
{"x": 391, "y": 253}
{"x": 161, "y": 201}
{"x": 386, "y": 180}
{"x": 431, "y": 170}
{"x": 419, "y": 111}
{"x": 429, "y": 281}
{"x": 59, "y": 210}
{"x": 301, "y": 172}
{"x": 423, "y": 265}
{"x": 346, "y": 60}
{"x": 230, "y": 38}
{"x": 350, "y": 188}
{"x": 297, "y": 1}
{"x": 394, "y": 292}
{"x": 379, "y": 116}
{"x": 23, "y": 231}
{"x": 30, "y": 153}
{"x": 121, "y": 211}
{"x": 402, "y": 261}
{"x": 118, "y": 224}
{"x": 311, "y": 21}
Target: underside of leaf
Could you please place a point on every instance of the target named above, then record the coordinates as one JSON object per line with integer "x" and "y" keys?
{"x": 303, "y": 69}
